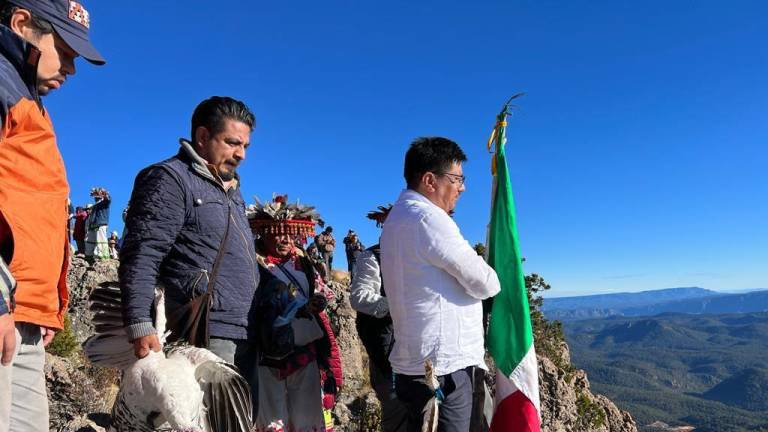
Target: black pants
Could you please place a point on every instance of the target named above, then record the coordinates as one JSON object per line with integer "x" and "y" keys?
{"x": 351, "y": 262}
{"x": 455, "y": 411}
{"x": 377, "y": 336}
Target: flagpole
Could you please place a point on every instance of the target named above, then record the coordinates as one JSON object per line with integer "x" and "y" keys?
{"x": 510, "y": 336}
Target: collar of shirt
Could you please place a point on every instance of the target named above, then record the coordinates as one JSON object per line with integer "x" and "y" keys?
{"x": 412, "y": 195}
{"x": 202, "y": 167}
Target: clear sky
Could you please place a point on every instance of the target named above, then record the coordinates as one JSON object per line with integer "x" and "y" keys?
{"x": 638, "y": 156}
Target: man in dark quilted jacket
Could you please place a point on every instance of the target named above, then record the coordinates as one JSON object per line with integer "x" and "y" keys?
{"x": 183, "y": 212}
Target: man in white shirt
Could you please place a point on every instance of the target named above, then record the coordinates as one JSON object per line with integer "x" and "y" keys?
{"x": 435, "y": 285}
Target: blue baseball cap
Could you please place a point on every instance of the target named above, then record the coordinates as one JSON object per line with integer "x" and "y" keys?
{"x": 70, "y": 20}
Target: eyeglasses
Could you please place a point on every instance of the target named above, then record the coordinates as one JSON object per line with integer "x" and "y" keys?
{"x": 458, "y": 178}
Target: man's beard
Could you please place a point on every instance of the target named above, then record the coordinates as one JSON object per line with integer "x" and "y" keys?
{"x": 227, "y": 175}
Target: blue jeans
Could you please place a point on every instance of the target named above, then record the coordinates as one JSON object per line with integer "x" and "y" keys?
{"x": 245, "y": 356}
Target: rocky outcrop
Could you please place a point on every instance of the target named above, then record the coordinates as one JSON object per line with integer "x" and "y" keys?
{"x": 567, "y": 404}
{"x": 81, "y": 395}
{"x": 357, "y": 408}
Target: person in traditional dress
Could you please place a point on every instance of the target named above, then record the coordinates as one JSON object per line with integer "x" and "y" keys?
{"x": 96, "y": 242}
{"x": 300, "y": 369}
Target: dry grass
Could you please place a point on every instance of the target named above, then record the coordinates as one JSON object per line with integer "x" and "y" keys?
{"x": 341, "y": 277}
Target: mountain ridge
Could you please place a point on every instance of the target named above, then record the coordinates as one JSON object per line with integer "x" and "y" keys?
{"x": 692, "y": 300}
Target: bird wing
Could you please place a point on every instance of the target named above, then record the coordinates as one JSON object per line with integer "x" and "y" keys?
{"x": 226, "y": 394}
{"x": 109, "y": 345}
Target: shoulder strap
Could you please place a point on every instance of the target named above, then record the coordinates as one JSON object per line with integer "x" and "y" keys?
{"x": 220, "y": 253}
{"x": 310, "y": 271}
{"x": 288, "y": 274}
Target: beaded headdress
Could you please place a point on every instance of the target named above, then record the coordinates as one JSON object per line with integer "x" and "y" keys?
{"x": 278, "y": 216}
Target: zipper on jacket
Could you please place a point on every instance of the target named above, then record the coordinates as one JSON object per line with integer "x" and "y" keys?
{"x": 248, "y": 246}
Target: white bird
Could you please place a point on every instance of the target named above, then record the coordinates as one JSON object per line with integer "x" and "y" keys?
{"x": 181, "y": 388}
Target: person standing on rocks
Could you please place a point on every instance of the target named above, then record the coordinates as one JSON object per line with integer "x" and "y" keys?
{"x": 374, "y": 326}
{"x": 113, "y": 240}
{"x": 96, "y": 242}
{"x": 78, "y": 232}
{"x": 326, "y": 243}
{"x": 186, "y": 231}
{"x": 352, "y": 247}
{"x": 39, "y": 41}
{"x": 300, "y": 369}
{"x": 435, "y": 285}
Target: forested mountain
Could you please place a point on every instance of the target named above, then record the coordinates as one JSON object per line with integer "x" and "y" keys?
{"x": 707, "y": 371}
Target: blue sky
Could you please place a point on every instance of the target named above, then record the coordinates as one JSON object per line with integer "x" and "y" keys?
{"x": 637, "y": 156}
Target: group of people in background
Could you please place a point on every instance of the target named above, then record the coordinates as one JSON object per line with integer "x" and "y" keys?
{"x": 324, "y": 244}
{"x": 188, "y": 232}
{"x": 88, "y": 228}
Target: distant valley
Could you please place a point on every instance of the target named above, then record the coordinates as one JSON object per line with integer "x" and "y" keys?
{"x": 700, "y": 368}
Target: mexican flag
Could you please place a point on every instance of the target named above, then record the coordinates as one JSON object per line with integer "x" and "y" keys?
{"x": 510, "y": 336}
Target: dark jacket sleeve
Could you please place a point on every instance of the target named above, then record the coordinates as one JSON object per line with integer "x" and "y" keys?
{"x": 7, "y": 287}
{"x": 100, "y": 212}
{"x": 155, "y": 217}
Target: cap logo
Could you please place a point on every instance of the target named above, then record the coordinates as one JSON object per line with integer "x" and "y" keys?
{"x": 78, "y": 14}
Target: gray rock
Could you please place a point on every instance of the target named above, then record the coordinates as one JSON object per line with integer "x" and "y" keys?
{"x": 76, "y": 392}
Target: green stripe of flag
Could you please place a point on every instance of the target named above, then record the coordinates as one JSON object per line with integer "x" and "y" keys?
{"x": 510, "y": 335}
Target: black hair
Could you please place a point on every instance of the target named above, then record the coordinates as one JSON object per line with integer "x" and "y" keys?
{"x": 39, "y": 25}
{"x": 430, "y": 154}
{"x": 258, "y": 242}
{"x": 214, "y": 111}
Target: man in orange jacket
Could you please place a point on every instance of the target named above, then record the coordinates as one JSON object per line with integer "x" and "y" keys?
{"x": 39, "y": 41}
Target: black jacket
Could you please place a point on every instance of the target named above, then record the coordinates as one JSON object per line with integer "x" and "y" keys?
{"x": 175, "y": 225}
{"x": 377, "y": 334}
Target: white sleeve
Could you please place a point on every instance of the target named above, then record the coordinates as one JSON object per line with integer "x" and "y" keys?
{"x": 365, "y": 291}
{"x": 445, "y": 248}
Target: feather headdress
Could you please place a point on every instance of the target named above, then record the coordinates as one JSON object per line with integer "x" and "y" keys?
{"x": 98, "y": 192}
{"x": 380, "y": 215}
{"x": 278, "y": 216}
